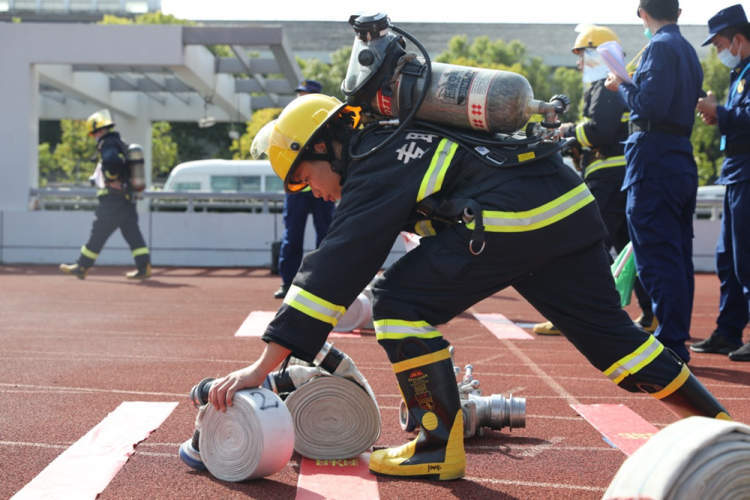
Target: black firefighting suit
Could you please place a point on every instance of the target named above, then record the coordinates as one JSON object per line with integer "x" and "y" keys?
{"x": 601, "y": 135}
{"x": 456, "y": 265}
{"x": 116, "y": 205}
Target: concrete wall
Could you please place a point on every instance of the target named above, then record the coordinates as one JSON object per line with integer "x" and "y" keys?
{"x": 174, "y": 239}
{"x": 197, "y": 239}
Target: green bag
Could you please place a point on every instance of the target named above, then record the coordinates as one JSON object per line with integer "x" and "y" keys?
{"x": 623, "y": 271}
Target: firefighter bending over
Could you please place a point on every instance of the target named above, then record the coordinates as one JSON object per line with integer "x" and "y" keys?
{"x": 515, "y": 211}
{"x": 116, "y": 207}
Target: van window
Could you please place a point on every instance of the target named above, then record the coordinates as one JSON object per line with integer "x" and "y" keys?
{"x": 187, "y": 186}
{"x": 274, "y": 184}
{"x": 236, "y": 183}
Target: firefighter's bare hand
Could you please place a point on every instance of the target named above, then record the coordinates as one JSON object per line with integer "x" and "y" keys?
{"x": 706, "y": 108}
{"x": 613, "y": 82}
{"x": 222, "y": 390}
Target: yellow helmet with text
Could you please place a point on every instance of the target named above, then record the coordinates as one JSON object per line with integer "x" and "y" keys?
{"x": 591, "y": 36}
{"x": 283, "y": 140}
{"x": 99, "y": 120}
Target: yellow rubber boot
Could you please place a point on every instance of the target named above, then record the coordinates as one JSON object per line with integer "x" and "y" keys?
{"x": 75, "y": 269}
{"x": 428, "y": 385}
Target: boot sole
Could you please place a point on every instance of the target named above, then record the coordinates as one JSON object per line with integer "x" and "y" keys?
{"x": 429, "y": 477}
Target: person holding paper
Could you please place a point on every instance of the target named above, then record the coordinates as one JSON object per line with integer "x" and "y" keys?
{"x": 661, "y": 177}
{"x": 729, "y": 32}
{"x": 599, "y": 137}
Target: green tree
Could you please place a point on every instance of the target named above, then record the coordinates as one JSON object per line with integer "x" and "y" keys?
{"x": 706, "y": 138}
{"x": 72, "y": 160}
{"x": 163, "y": 150}
{"x": 241, "y": 147}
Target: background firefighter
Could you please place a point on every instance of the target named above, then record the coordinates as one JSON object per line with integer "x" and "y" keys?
{"x": 599, "y": 137}
{"x": 455, "y": 266}
{"x": 116, "y": 207}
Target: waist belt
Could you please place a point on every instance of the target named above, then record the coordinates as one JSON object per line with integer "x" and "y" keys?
{"x": 667, "y": 128}
{"x": 737, "y": 148}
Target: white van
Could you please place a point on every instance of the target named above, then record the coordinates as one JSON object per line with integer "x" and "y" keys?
{"x": 224, "y": 176}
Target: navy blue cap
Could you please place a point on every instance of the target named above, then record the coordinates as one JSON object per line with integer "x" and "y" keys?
{"x": 309, "y": 86}
{"x": 726, "y": 18}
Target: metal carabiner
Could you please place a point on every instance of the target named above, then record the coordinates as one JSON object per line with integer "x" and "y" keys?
{"x": 471, "y": 247}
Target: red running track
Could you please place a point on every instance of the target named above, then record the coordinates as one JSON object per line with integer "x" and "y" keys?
{"x": 73, "y": 351}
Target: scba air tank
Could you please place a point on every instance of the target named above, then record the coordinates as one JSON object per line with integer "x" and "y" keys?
{"x": 467, "y": 97}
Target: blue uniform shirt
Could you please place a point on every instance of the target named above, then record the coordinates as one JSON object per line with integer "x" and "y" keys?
{"x": 665, "y": 91}
{"x": 734, "y": 123}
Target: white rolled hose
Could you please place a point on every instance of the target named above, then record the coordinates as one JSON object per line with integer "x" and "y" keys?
{"x": 254, "y": 438}
{"x": 357, "y": 315}
{"x": 334, "y": 417}
{"x": 695, "y": 458}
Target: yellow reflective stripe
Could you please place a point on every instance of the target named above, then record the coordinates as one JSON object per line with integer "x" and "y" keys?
{"x": 102, "y": 192}
{"x": 612, "y": 161}
{"x": 432, "y": 181}
{"x": 88, "y": 253}
{"x": 625, "y": 117}
{"x": 424, "y": 360}
{"x": 581, "y": 136}
{"x": 675, "y": 384}
{"x": 529, "y": 220}
{"x": 424, "y": 228}
{"x": 110, "y": 176}
{"x": 635, "y": 361}
{"x": 394, "y": 329}
{"x": 140, "y": 251}
{"x": 313, "y": 306}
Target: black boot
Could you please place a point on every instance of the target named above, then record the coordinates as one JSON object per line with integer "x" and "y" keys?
{"x": 428, "y": 386}
{"x": 687, "y": 397}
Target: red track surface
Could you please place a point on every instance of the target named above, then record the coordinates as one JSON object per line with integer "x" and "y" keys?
{"x": 73, "y": 350}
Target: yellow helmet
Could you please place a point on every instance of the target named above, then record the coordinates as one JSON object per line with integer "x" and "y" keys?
{"x": 592, "y": 36}
{"x": 282, "y": 140}
{"x": 99, "y": 120}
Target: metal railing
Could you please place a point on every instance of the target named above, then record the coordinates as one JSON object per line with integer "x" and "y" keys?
{"x": 166, "y": 201}
{"x": 158, "y": 201}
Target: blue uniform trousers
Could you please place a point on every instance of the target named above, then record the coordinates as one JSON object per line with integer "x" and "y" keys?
{"x": 297, "y": 207}
{"x": 660, "y": 220}
{"x": 733, "y": 261}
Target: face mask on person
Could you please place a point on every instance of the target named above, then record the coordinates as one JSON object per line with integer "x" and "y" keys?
{"x": 728, "y": 59}
{"x": 647, "y": 33}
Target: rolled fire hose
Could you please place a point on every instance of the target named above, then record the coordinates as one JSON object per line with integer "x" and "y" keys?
{"x": 252, "y": 439}
{"x": 692, "y": 459}
{"x": 357, "y": 315}
{"x": 333, "y": 417}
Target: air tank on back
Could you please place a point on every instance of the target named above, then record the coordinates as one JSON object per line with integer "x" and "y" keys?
{"x": 383, "y": 78}
{"x": 466, "y": 97}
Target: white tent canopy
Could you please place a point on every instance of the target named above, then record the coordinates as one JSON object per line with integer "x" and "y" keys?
{"x": 142, "y": 73}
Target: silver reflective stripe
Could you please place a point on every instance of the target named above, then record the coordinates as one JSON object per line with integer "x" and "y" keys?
{"x": 635, "y": 362}
{"x": 399, "y": 329}
{"x": 538, "y": 217}
{"x": 313, "y": 305}
{"x": 441, "y": 160}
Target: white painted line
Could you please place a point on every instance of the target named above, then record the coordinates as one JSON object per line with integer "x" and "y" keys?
{"x": 255, "y": 324}
{"x": 86, "y": 468}
{"x": 501, "y": 327}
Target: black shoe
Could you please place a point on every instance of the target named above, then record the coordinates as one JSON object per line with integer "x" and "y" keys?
{"x": 717, "y": 344}
{"x": 741, "y": 354}
{"x": 281, "y": 292}
{"x": 139, "y": 274}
